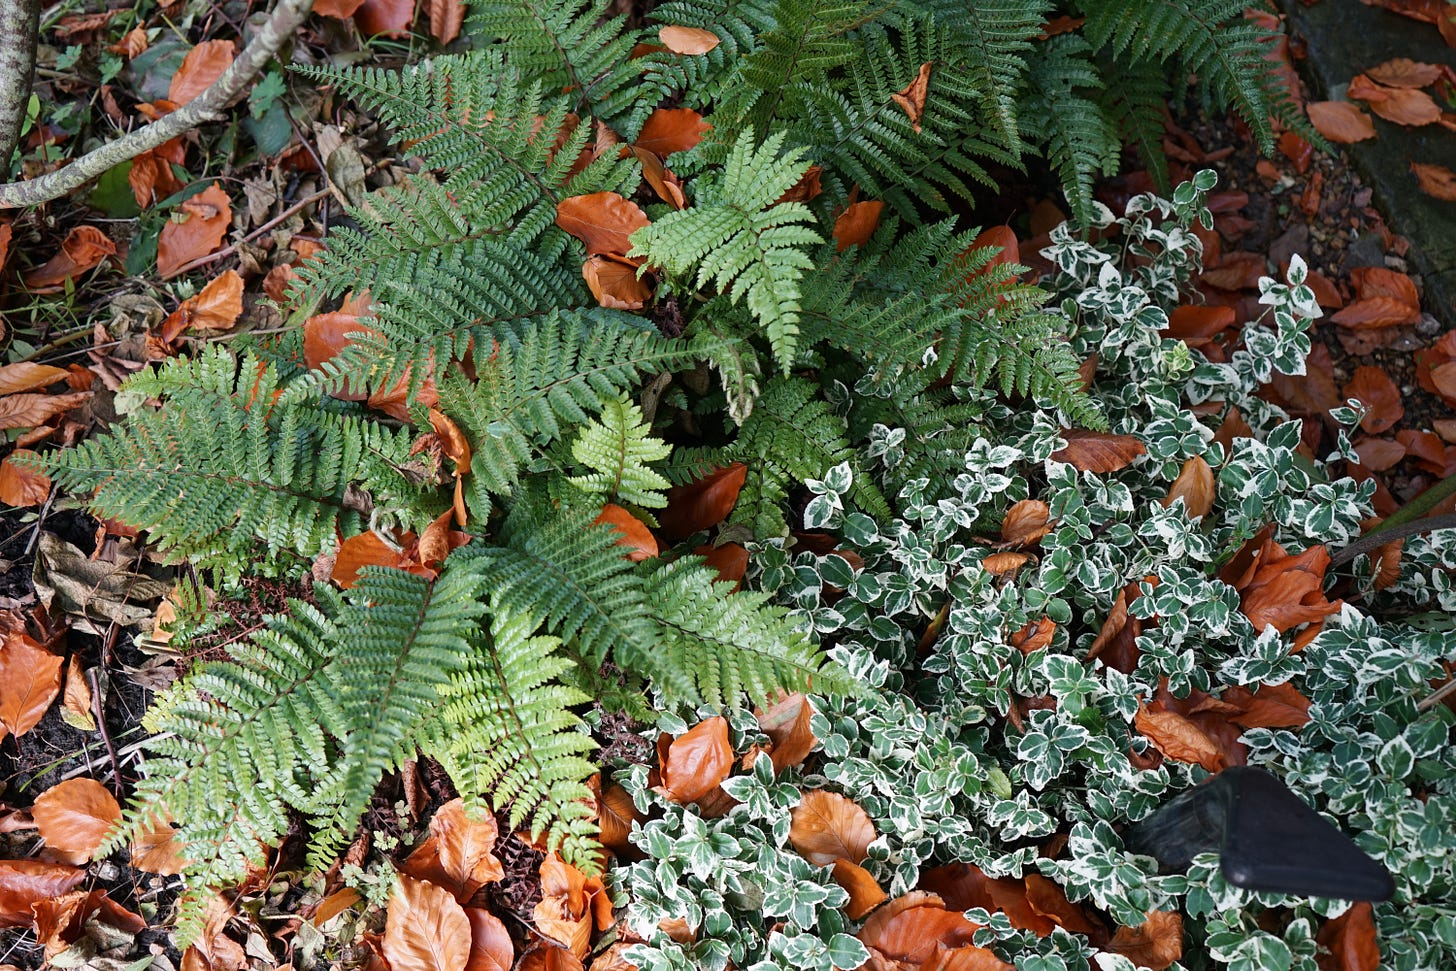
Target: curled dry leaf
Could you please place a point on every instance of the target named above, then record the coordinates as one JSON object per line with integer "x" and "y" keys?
{"x": 1049, "y": 900}
{"x": 697, "y": 761}
{"x": 1000, "y": 563}
{"x": 632, "y": 533}
{"x": 76, "y": 698}
{"x": 912, "y": 927}
{"x": 151, "y": 176}
{"x": 1340, "y": 121}
{"x": 216, "y": 307}
{"x": 195, "y": 229}
{"x": 1286, "y": 591}
{"x": 25, "y": 376}
{"x": 21, "y": 485}
{"x": 688, "y": 40}
{"x": 857, "y": 224}
{"x": 1436, "y": 181}
{"x": 1194, "y": 486}
{"x": 788, "y": 726}
{"x": 74, "y": 817}
{"x": 1351, "y": 941}
{"x": 1402, "y": 72}
{"x": 1156, "y": 943}
{"x": 669, "y": 130}
{"x": 24, "y": 883}
{"x": 702, "y": 503}
{"x": 865, "y": 892}
{"x": 1177, "y": 737}
{"x": 29, "y": 410}
{"x": 912, "y": 96}
{"x": 964, "y": 885}
{"x": 1026, "y": 522}
{"x": 202, "y": 66}
{"x": 1374, "y": 388}
{"x": 1034, "y": 636}
{"x": 601, "y": 220}
{"x": 30, "y": 679}
{"x": 61, "y": 921}
{"x": 614, "y": 282}
{"x": 571, "y": 905}
{"x": 967, "y": 957}
{"x": 83, "y": 249}
{"x": 426, "y": 929}
{"x": 826, "y": 826}
{"x": 1091, "y": 451}
{"x": 459, "y": 854}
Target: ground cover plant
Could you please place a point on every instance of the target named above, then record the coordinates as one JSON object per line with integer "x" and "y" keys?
{"x": 674, "y": 378}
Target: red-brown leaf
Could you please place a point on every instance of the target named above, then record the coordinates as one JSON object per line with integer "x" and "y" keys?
{"x": 203, "y": 65}
{"x": 1405, "y": 106}
{"x": 1402, "y": 72}
{"x": 1098, "y": 451}
{"x": 1350, "y": 941}
{"x": 697, "y": 761}
{"x": 30, "y": 679}
{"x": 865, "y": 893}
{"x": 216, "y": 307}
{"x": 857, "y": 224}
{"x": 195, "y": 229}
{"x": 1286, "y": 591}
{"x": 827, "y": 827}
{"x": 426, "y": 929}
{"x": 25, "y": 376}
{"x": 702, "y": 503}
{"x": 84, "y": 247}
{"x": 1156, "y": 943}
{"x": 613, "y": 280}
{"x": 1026, "y": 522}
{"x": 446, "y": 18}
{"x": 1177, "y": 737}
{"x": 459, "y": 853}
{"x": 911, "y": 928}
{"x": 912, "y": 96}
{"x": 74, "y": 816}
{"x": 632, "y": 532}
{"x": 1194, "y": 486}
{"x": 688, "y": 40}
{"x": 787, "y": 724}
{"x": 670, "y": 130}
{"x": 1340, "y": 121}
{"x": 389, "y": 17}
{"x": 27, "y": 882}
{"x": 20, "y": 485}
{"x": 1436, "y": 181}
{"x": 1374, "y": 388}
{"x": 29, "y": 410}
{"x": 601, "y": 220}
{"x": 491, "y": 948}
{"x": 1273, "y": 706}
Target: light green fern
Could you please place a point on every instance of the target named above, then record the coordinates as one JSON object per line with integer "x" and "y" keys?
{"x": 619, "y": 449}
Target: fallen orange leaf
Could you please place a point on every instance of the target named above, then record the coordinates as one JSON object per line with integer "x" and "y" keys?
{"x": 24, "y": 883}
{"x": 601, "y": 220}
{"x": 571, "y": 905}
{"x": 697, "y": 761}
{"x": 857, "y": 224}
{"x": 865, "y": 892}
{"x": 1091, "y": 451}
{"x": 22, "y": 485}
{"x": 1374, "y": 388}
{"x": 389, "y": 17}
{"x": 1194, "y": 486}
{"x": 1436, "y": 181}
{"x": 151, "y": 177}
{"x": 1286, "y": 591}
{"x": 826, "y": 826}
{"x": 202, "y": 66}
{"x": 30, "y": 679}
{"x": 29, "y": 410}
{"x": 426, "y": 929}
{"x": 688, "y": 40}
{"x": 74, "y": 816}
{"x": 195, "y": 229}
{"x": 1034, "y": 636}
{"x": 613, "y": 280}
{"x": 459, "y": 852}
{"x": 1177, "y": 737}
{"x": 1402, "y": 72}
{"x": 912, "y": 96}
{"x": 703, "y": 503}
{"x": 83, "y": 249}
{"x": 788, "y": 727}
{"x": 216, "y": 307}
{"x": 632, "y": 532}
{"x": 912, "y": 927}
{"x": 25, "y": 376}
{"x": 340, "y": 9}
{"x": 1340, "y": 121}
{"x": 1026, "y": 522}
{"x": 670, "y": 130}
{"x": 1351, "y": 941}
{"x": 156, "y": 849}
{"x": 491, "y": 948}
{"x": 1156, "y": 943}
{"x": 615, "y": 815}
{"x": 446, "y": 19}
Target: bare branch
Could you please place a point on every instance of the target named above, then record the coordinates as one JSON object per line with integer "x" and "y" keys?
{"x": 287, "y": 17}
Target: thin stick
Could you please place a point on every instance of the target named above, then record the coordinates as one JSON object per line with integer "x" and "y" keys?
{"x": 1437, "y": 696}
{"x": 233, "y": 248}
{"x": 1387, "y": 534}
{"x": 287, "y": 17}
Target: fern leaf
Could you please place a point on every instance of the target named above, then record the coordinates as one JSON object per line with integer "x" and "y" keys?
{"x": 618, "y": 450}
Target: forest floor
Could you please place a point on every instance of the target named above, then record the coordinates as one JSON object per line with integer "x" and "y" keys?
{"x": 91, "y": 284}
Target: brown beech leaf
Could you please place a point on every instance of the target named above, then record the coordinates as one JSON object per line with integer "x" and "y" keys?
{"x": 548, "y": 957}
{"x": 613, "y": 280}
{"x": 30, "y": 679}
{"x": 60, "y": 921}
{"x": 1340, "y": 121}
{"x": 912, "y": 96}
{"x": 1370, "y": 313}
{"x": 1374, "y": 388}
{"x": 1195, "y": 322}
{"x": 195, "y": 229}
{"x": 29, "y": 410}
{"x": 1377, "y": 281}
{"x": 1272, "y": 706}
{"x": 999, "y": 563}
{"x": 857, "y": 224}
{"x": 389, "y": 17}
{"x": 632, "y": 533}
{"x": 1405, "y": 106}
{"x": 1402, "y": 72}
{"x": 670, "y": 130}
{"x": 912, "y": 927}
{"x": 83, "y": 249}
{"x": 729, "y": 559}
{"x": 20, "y": 485}
{"x": 26, "y": 376}
{"x": 1034, "y": 636}
{"x": 1194, "y": 486}
{"x": 459, "y": 853}
{"x": 697, "y": 761}
{"x": 808, "y": 187}
{"x": 964, "y": 885}
{"x": 214, "y": 949}
{"x": 340, "y": 9}
{"x": 426, "y": 929}
{"x": 787, "y": 724}
{"x": 216, "y": 307}
{"x": 76, "y": 698}
{"x": 1156, "y": 943}
{"x": 491, "y": 948}
{"x": 1286, "y": 591}
{"x": 615, "y": 815}
{"x": 967, "y": 957}
{"x": 1178, "y": 738}
{"x": 702, "y": 503}
{"x": 156, "y": 849}
{"x": 74, "y": 816}
{"x": 1379, "y": 454}
{"x": 601, "y": 220}
{"x": 688, "y": 40}
{"x": 1436, "y": 180}
{"x": 1026, "y": 522}
{"x": 24, "y": 883}
{"x": 1350, "y": 940}
{"x": 369, "y": 549}
{"x": 667, "y": 186}
{"x": 1050, "y": 901}
{"x": 151, "y": 176}
{"x": 865, "y": 892}
{"x": 446, "y": 18}
{"x": 571, "y": 905}
{"x": 203, "y": 65}
{"x": 1091, "y": 451}
{"x": 827, "y": 827}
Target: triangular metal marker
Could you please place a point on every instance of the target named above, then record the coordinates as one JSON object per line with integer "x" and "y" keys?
{"x": 1266, "y": 837}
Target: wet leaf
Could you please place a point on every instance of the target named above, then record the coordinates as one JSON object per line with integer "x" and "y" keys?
{"x": 865, "y": 892}
{"x": 1340, "y": 121}
{"x": 1091, "y": 451}
{"x": 30, "y": 679}
{"x": 827, "y": 827}
{"x": 688, "y": 40}
{"x": 216, "y": 307}
{"x": 1351, "y": 941}
{"x": 74, "y": 816}
{"x": 491, "y": 948}
{"x": 912, "y": 96}
{"x": 702, "y": 503}
{"x": 697, "y": 761}
{"x": 670, "y": 130}
{"x": 459, "y": 854}
{"x": 203, "y": 65}
{"x": 83, "y": 249}
{"x": 601, "y": 220}
{"x": 632, "y": 532}
{"x": 1177, "y": 737}
{"x": 426, "y": 929}
{"x": 1194, "y": 486}
{"x": 26, "y": 376}
{"x": 20, "y": 485}
{"x": 1402, "y": 72}
{"x": 26, "y": 882}
{"x": 857, "y": 224}
{"x": 1436, "y": 180}
{"x": 1156, "y": 943}
{"x": 1374, "y": 388}
{"x": 195, "y": 229}
{"x": 912, "y": 927}
{"x": 613, "y": 280}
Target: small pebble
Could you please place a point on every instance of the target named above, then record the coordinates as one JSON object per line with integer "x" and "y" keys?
{"x": 1407, "y": 342}
{"x": 1395, "y": 263}
{"x": 1428, "y": 326}
{"x": 106, "y": 870}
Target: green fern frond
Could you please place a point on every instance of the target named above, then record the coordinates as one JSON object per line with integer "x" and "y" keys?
{"x": 1080, "y": 141}
{"x": 740, "y": 241}
{"x": 618, "y": 449}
